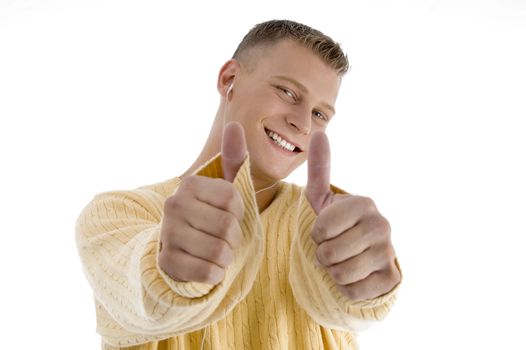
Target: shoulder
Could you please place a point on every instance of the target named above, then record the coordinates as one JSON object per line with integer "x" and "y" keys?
{"x": 149, "y": 197}
{"x": 162, "y": 188}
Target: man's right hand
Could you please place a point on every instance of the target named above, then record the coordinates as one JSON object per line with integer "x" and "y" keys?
{"x": 201, "y": 223}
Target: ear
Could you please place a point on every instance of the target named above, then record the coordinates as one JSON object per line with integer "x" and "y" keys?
{"x": 226, "y": 76}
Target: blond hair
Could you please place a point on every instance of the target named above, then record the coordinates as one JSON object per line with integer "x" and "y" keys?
{"x": 271, "y": 32}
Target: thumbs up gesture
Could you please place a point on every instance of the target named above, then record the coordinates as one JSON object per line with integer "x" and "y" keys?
{"x": 352, "y": 237}
{"x": 201, "y": 222}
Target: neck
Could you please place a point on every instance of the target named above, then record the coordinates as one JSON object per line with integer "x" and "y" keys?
{"x": 265, "y": 195}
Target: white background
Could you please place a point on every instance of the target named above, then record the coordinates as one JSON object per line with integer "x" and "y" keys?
{"x": 105, "y": 95}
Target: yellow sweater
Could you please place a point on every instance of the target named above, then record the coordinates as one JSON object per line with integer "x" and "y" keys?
{"x": 273, "y": 296}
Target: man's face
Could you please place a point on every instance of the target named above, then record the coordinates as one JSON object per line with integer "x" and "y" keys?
{"x": 268, "y": 99}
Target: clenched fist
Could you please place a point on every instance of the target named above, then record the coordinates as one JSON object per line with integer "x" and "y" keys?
{"x": 201, "y": 222}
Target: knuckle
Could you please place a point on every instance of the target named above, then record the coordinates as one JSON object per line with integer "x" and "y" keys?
{"x": 352, "y": 293}
{"x": 168, "y": 261}
{"x": 166, "y": 237}
{"x": 326, "y": 253}
{"x": 221, "y": 253}
{"x": 163, "y": 259}
{"x": 389, "y": 254}
{"x": 165, "y": 243}
{"x": 393, "y": 276}
{"x": 188, "y": 181}
{"x": 349, "y": 292}
{"x": 210, "y": 274}
{"x": 188, "y": 185}
{"x": 171, "y": 203}
{"x": 320, "y": 231}
{"x": 227, "y": 257}
{"x": 368, "y": 204}
{"x": 337, "y": 274}
{"x": 381, "y": 227}
{"x": 234, "y": 238}
{"x": 226, "y": 224}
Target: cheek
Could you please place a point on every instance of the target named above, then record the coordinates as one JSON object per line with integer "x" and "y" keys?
{"x": 268, "y": 103}
{"x": 299, "y": 160}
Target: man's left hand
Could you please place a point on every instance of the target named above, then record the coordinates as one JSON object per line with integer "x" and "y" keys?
{"x": 353, "y": 238}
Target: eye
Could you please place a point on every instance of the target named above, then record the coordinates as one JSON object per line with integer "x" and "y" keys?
{"x": 288, "y": 92}
{"x": 320, "y": 115}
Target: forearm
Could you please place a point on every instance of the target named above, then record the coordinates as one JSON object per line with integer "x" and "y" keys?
{"x": 118, "y": 241}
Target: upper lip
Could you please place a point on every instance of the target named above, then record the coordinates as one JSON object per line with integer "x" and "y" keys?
{"x": 286, "y": 138}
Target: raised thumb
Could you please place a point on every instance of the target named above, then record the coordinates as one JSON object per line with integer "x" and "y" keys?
{"x": 318, "y": 189}
{"x": 233, "y": 149}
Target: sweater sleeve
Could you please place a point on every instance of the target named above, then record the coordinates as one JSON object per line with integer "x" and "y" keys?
{"x": 118, "y": 239}
{"x": 314, "y": 289}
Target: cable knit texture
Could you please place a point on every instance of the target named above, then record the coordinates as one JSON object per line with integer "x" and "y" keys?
{"x": 273, "y": 296}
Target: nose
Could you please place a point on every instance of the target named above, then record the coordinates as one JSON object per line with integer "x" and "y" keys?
{"x": 299, "y": 122}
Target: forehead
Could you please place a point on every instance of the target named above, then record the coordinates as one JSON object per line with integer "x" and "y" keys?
{"x": 290, "y": 59}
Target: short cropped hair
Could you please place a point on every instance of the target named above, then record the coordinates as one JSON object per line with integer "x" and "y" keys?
{"x": 271, "y": 32}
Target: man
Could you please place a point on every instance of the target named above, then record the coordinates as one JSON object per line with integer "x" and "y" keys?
{"x": 229, "y": 256}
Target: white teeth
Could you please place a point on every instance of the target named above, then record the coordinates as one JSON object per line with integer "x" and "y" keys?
{"x": 281, "y": 142}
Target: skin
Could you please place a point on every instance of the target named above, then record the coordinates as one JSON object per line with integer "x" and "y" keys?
{"x": 201, "y": 225}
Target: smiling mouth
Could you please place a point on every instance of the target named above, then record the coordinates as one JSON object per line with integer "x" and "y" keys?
{"x": 279, "y": 141}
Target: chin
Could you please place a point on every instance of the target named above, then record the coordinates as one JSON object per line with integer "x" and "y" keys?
{"x": 274, "y": 173}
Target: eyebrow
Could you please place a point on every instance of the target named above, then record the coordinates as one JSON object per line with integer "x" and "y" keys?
{"x": 304, "y": 89}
